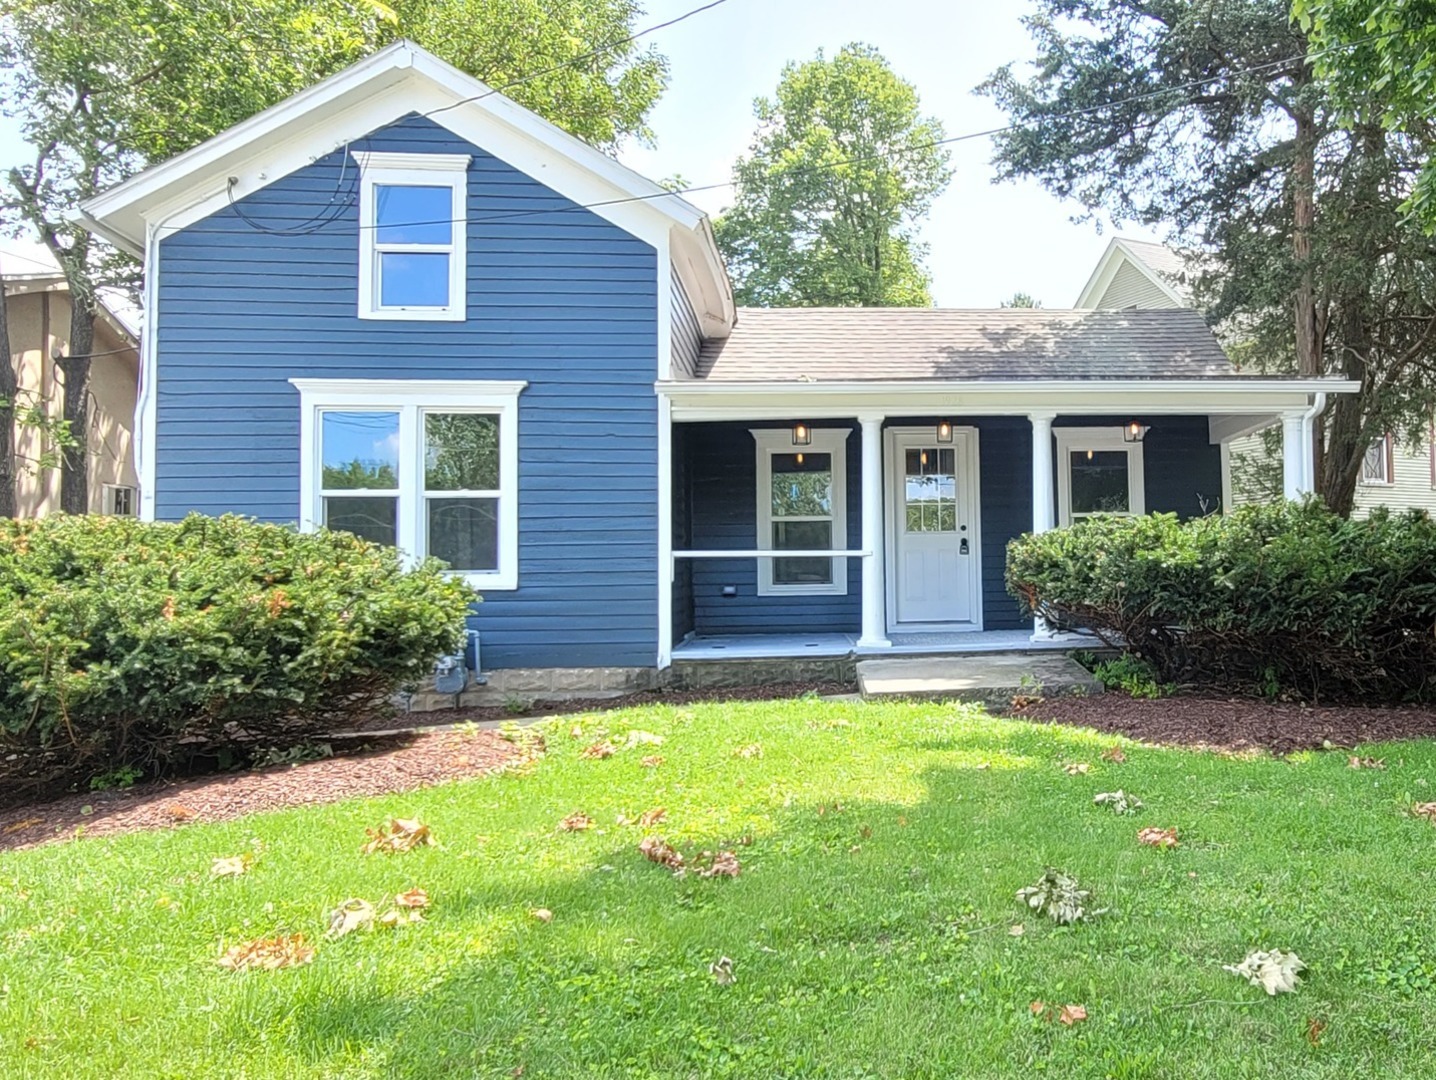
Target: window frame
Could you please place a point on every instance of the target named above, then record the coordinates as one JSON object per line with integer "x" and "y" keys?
{"x": 831, "y": 441}
{"x": 110, "y": 497}
{"x": 1101, "y": 439}
{"x": 412, "y": 170}
{"x": 413, "y": 400}
{"x": 1388, "y": 461}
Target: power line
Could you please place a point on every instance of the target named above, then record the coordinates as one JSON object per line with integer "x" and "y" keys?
{"x": 950, "y": 140}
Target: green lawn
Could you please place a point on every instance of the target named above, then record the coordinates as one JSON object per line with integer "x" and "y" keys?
{"x": 869, "y": 930}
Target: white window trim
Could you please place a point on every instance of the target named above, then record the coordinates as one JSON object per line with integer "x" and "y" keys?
{"x": 1070, "y": 439}
{"x": 411, "y": 399}
{"x": 831, "y": 441}
{"x": 419, "y": 170}
{"x": 1388, "y": 446}
{"x": 109, "y": 495}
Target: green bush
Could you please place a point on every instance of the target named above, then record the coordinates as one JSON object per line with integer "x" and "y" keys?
{"x": 1281, "y": 599}
{"x": 126, "y": 644}
{"x": 1132, "y": 675}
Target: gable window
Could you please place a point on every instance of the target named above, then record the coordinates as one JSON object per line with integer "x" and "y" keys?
{"x": 412, "y": 218}
{"x": 1098, "y": 472}
{"x": 1377, "y": 468}
{"x": 802, "y": 506}
{"x": 428, "y": 467}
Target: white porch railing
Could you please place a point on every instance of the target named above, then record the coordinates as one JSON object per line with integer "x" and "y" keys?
{"x": 755, "y": 553}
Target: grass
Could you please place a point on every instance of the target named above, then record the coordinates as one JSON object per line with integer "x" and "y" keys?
{"x": 869, "y": 931}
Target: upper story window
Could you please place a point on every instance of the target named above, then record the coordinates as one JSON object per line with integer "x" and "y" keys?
{"x": 1377, "y": 468}
{"x": 428, "y": 467}
{"x": 412, "y": 215}
{"x": 1098, "y": 472}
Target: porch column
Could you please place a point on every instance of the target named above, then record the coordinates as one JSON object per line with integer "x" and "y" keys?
{"x": 1294, "y": 481}
{"x": 874, "y": 635}
{"x": 1043, "y": 517}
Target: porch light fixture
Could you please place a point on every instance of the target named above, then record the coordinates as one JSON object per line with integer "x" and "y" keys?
{"x": 1134, "y": 431}
{"x": 802, "y": 435}
{"x": 944, "y": 431}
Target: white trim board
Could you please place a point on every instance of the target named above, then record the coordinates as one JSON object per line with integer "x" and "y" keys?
{"x": 1110, "y": 263}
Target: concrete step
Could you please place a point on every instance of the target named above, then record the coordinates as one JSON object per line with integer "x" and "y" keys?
{"x": 993, "y": 679}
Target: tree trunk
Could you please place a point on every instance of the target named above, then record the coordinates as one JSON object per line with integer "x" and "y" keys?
{"x": 9, "y": 387}
{"x": 75, "y": 370}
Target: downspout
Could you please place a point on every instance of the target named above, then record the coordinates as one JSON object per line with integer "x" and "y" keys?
{"x": 1308, "y": 453}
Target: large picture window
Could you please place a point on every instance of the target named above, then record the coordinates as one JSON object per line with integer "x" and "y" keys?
{"x": 802, "y": 506}
{"x": 412, "y": 217}
{"x": 428, "y": 467}
{"x": 1098, "y": 472}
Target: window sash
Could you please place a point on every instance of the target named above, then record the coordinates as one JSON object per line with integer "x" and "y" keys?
{"x": 777, "y": 442}
{"x": 1078, "y": 440}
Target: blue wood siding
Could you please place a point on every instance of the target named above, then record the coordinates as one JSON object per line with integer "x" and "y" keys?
{"x": 687, "y": 337}
{"x": 1183, "y": 476}
{"x": 564, "y": 300}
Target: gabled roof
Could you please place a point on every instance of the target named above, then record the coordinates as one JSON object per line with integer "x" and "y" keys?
{"x": 28, "y": 267}
{"x": 394, "y": 82}
{"x": 1168, "y": 270}
{"x": 887, "y": 344}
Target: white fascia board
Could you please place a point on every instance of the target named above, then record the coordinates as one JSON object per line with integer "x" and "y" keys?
{"x": 1107, "y": 266}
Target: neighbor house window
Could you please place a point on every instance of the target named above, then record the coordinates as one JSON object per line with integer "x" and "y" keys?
{"x": 1098, "y": 472}
{"x": 119, "y": 500}
{"x": 428, "y": 467}
{"x": 412, "y": 217}
{"x": 802, "y": 506}
{"x": 1378, "y": 467}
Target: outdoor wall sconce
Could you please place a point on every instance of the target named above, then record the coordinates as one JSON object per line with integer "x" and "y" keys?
{"x": 1135, "y": 431}
{"x": 802, "y": 435}
{"x": 944, "y": 431}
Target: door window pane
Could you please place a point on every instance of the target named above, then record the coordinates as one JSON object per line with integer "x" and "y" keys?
{"x": 406, "y": 214}
{"x": 413, "y": 279}
{"x": 803, "y": 536}
{"x": 370, "y": 517}
{"x": 802, "y": 488}
{"x": 464, "y": 532}
{"x": 1099, "y": 482}
{"x": 359, "y": 450}
{"x": 461, "y": 452}
{"x": 930, "y": 489}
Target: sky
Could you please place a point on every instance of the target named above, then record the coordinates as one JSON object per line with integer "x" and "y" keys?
{"x": 987, "y": 241}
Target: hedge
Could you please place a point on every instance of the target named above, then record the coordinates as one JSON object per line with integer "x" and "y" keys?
{"x": 1286, "y": 599}
{"x": 127, "y": 645}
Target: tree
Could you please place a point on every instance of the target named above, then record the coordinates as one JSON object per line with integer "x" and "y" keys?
{"x": 1379, "y": 56}
{"x": 9, "y": 384}
{"x": 1022, "y": 300}
{"x": 841, "y": 171}
{"x": 1207, "y": 118}
{"x": 102, "y": 88}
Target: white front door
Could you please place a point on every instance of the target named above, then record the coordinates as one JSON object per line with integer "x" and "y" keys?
{"x": 934, "y": 571}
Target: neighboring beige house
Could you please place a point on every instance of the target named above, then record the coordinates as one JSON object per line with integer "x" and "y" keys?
{"x": 1141, "y": 274}
{"x": 37, "y": 302}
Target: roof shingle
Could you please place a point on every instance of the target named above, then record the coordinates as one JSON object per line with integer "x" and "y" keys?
{"x": 856, "y": 344}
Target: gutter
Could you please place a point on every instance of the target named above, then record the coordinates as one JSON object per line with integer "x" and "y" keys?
{"x": 1215, "y": 384}
{"x": 1308, "y": 425}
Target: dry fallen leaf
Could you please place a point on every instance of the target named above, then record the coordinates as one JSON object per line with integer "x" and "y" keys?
{"x": 268, "y": 954}
{"x": 394, "y": 917}
{"x": 354, "y": 914}
{"x": 414, "y": 898}
{"x": 722, "y": 971}
{"x": 657, "y": 850}
{"x": 649, "y": 818}
{"x": 577, "y": 821}
{"x": 1114, "y": 754}
{"x": 1355, "y": 762}
{"x": 752, "y": 750}
{"x": 1156, "y": 837}
{"x": 598, "y": 750}
{"x": 232, "y": 865}
{"x": 652, "y": 761}
{"x": 723, "y": 864}
{"x": 1314, "y": 1028}
{"x": 1072, "y": 1014}
{"x": 542, "y": 914}
{"x": 1274, "y": 971}
{"x": 1016, "y": 930}
{"x": 1076, "y": 768}
{"x": 1426, "y": 810}
{"x": 576, "y": 732}
{"x": 1037, "y": 1008}
{"x": 401, "y": 834}
{"x": 178, "y": 812}
{"x": 642, "y": 738}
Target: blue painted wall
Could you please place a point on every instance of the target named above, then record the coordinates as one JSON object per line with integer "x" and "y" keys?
{"x": 566, "y": 301}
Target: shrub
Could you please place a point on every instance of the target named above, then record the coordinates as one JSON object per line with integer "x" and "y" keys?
{"x": 1132, "y": 675}
{"x": 132, "y": 645}
{"x": 1280, "y": 599}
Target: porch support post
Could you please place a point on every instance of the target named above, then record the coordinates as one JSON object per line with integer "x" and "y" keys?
{"x": 1043, "y": 517}
{"x": 874, "y": 635}
{"x": 1294, "y": 480}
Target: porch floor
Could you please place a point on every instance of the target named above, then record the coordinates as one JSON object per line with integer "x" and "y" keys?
{"x": 793, "y": 646}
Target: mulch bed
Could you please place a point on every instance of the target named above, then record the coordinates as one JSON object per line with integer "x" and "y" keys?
{"x": 386, "y": 767}
{"x": 1235, "y": 724}
{"x": 480, "y": 714}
